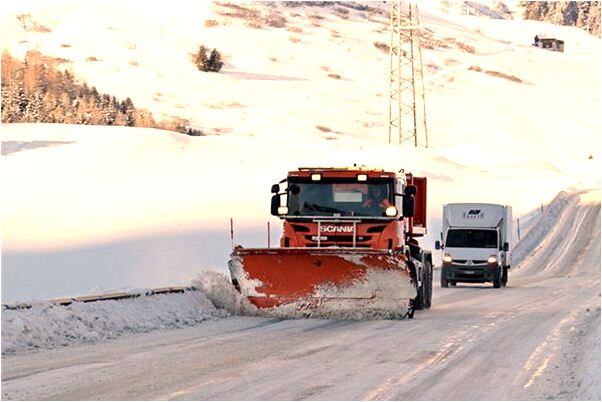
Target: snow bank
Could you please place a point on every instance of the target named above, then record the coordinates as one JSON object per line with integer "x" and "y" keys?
{"x": 46, "y": 326}
{"x": 223, "y": 295}
{"x": 552, "y": 214}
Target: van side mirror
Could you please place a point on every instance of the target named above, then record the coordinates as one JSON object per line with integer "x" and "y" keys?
{"x": 408, "y": 206}
{"x": 275, "y": 204}
{"x": 275, "y": 188}
{"x": 506, "y": 246}
{"x": 437, "y": 245}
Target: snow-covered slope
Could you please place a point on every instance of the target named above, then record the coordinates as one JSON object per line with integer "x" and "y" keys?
{"x": 111, "y": 207}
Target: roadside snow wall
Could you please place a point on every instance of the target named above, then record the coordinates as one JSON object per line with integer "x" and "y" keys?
{"x": 45, "y": 325}
{"x": 553, "y": 213}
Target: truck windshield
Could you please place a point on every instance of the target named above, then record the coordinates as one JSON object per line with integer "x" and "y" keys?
{"x": 473, "y": 238}
{"x": 339, "y": 199}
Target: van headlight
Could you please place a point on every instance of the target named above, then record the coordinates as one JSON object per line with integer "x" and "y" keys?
{"x": 447, "y": 258}
{"x": 492, "y": 259}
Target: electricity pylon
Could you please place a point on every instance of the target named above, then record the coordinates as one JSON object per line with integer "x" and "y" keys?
{"x": 407, "y": 106}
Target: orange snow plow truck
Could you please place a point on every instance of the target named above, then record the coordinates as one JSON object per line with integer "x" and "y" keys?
{"x": 348, "y": 241}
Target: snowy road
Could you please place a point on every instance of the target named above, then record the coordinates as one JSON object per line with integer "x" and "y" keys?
{"x": 536, "y": 339}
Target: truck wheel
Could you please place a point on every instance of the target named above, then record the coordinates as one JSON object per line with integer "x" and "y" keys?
{"x": 497, "y": 278}
{"x": 419, "y": 300}
{"x": 444, "y": 281}
{"x": 452, "y": 283}
{"x": 504, "y": 276}
{"x": 429, "y": 285}
{"x": 423, "y": 300}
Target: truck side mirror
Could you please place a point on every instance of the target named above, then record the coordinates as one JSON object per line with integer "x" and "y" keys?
{"x": 275, "y": 204}
{"x": 437, "y": 245}
{"x": 275, "y": 188}
{"x": 408, "y": 206}
{"x": 506, "y": 246}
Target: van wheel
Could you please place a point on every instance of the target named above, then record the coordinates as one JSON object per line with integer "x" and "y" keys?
{"x": 428, "y": 283}
{"x": 504, "y": 276}
{"x": 497, "y": 280}
{"x": 444, "y": 281}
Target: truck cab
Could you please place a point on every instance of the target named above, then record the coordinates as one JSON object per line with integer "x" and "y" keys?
{"x": 345, "y": 207}
{"x": 476, "y": 243}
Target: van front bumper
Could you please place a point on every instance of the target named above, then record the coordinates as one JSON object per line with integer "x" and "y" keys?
{"x": 469, "y": 273}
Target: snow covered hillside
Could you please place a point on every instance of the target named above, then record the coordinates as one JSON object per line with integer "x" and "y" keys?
{"x": 98, "y": 208}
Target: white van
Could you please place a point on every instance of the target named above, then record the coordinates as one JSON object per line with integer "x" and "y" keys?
{"x": 476, "y": 241}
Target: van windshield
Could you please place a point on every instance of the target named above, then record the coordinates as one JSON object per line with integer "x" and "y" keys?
{"x": 339, "y": 199}
{"x": 473, "y": 238}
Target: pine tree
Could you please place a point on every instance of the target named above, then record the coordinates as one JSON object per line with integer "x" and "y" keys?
{"x": 200, "y": 58}
{"x": 107, "y": 112}
{"x": 49, "y": 104}
{"x": 67, "y": 84}
{"x": 22, "y": 100}
{"x": 94, "y": 108}
{"x": 94, "y": 94}
{"x": 9, "y": 66}
{"x": 65, "y": 111}
{"x": 34, "y": 109}
{"x": 10, "y": 104}
{"x": 215, "y": 61}
{"x": 120, "y": 120}
{"x": 593, "y": 19}
{"x": 84, "y": 91}
{"x": 127, "y": 108}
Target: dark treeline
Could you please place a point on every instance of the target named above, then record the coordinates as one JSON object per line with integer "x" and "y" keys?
{"x": 36, "y": 91}
{"x": 582, "y": 14}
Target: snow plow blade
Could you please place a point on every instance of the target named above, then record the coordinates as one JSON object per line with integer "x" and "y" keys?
{"x": 310, "y": 278}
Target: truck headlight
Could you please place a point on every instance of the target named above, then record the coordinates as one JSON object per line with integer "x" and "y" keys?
{"x": 391, "y": 211}
{"x": 492, "y": 259}
{"x": 447, "y": 258}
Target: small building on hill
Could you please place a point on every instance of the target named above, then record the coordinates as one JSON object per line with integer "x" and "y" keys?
{"x": 549, "y": 42}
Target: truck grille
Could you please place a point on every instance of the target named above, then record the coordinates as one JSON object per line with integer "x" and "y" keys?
{"x": 330, "y": 244}
{"x": 338, "y": 240}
